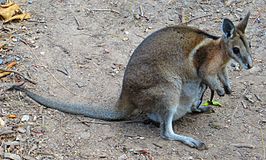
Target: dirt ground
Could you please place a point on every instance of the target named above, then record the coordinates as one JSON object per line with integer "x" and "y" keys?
{"x": 77, "y": 51}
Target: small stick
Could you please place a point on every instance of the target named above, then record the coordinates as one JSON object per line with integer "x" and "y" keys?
{"x": 263, "y": 144}
{"x": 157, "y": 145}
{"x": 258, "y": 16}
{"x": 94, "y": 122}
{"x": 108, "y": 122}
{"x": 16, "y": 72}
{"x": 110, "y": 10}
{"x": 141, "y": 11}
{"x": 197, "y": 18}
{"x": 258, "y": 98}
{"x": 244, "y": 105}
{"x": 244, "y": 146}
{"x": 234, "y": 112}
{"x": 79, "y": 27}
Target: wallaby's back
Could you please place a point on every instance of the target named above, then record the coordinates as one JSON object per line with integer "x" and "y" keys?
{"x": 164, "y": 54}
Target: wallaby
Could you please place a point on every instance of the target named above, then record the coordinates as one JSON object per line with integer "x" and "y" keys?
{"x": 168, "y": 74}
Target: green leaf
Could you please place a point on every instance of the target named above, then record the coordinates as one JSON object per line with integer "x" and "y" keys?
{"x": 216, "y": 103}
{"x": 213, "y": 103}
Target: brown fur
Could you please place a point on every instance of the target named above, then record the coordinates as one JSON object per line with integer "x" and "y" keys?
{"x": 167, "y": 75}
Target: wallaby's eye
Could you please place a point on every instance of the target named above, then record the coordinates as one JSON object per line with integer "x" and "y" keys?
{"x": 236, "y": 50}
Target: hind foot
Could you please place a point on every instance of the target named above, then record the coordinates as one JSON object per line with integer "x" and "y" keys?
{"x": 203, "y": 109}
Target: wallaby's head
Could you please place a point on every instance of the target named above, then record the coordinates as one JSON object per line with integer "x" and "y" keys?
{"x": 236, "y": 43}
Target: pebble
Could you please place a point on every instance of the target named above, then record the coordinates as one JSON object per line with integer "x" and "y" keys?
{"x": 25, "y": 118}
{"x": 2, "y": 123}
{"x": 21, "y": 130}
{"x": 123, "y": 157}
{"x": 12, "y": 156}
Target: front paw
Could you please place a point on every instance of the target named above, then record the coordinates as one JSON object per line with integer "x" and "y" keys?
{"x": 227, "y": 89}
{"x": 220, "y": 92}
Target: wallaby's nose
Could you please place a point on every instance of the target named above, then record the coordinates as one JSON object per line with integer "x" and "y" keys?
{"x": 249, "y": 66}
{"x": 249, "y": 63}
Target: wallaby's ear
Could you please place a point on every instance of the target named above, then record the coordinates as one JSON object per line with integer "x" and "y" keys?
{"x": 243, "y": 23}
{"x": 228, "y": 28}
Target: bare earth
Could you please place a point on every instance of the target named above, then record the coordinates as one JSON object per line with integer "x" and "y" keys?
{"x": 78, "y": 51}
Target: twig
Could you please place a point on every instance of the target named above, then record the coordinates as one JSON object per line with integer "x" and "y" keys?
{"x": 258, "y": 16}
{"x": 109, "y": 10}
{"x": 108, "y": 122}
{"x": 258, "y": 98}
{"x": 244, "y": 105}
{"x": 79, "y": 26}
{"x": 141, "y": 11}
{"x": 208, "y": 15}
{"x": 25, "y": 42}
{"x": 157, "y": 145}
{"x": 54, "y": 75}
{"x": 263, "y": 144}
{"x": 16, "y": 72}
{"x": 94, "y": 122}
{"x": 234, "y": 112}
{"x": 244, "y": 146}
{"x": 64, "y": 72}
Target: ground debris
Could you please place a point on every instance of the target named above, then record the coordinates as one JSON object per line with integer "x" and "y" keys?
{"x": 243, "y": 145}
{"x": 11, "y": 11}
{"x": 249, "y": 98}
{"x": 216, "y": 125}
{"x": 12, "y": 156}
{"x": 6, "y": 130}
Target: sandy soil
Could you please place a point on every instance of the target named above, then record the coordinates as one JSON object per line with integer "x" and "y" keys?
{"x": 78, "y": 53}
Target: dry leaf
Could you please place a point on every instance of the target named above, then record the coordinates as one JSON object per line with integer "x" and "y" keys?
{"x": 11, "y": 65}
{"x": 4, "y": 73}
{"x": 12, "y": 11}
{"x": 20, "y": 17}
{"x": 12, "y": 116}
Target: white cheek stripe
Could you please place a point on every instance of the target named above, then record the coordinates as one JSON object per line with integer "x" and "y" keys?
{"x": 204, "y": 42}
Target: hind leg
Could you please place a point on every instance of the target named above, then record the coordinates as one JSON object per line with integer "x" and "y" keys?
{"x": 168, "y": 133}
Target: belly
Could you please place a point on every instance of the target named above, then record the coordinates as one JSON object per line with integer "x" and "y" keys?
{"x": 190, "y": 94}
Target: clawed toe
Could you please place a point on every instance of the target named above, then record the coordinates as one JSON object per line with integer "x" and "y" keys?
{"x": 196, "y": 144}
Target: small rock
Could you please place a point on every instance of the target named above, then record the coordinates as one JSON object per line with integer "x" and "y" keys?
{"x": 25, "y": 118}
{"x": 136, "y": 16}
{"x": 106, "y": 51}
{"x": 34, "y": 118}
{"x": 21, "y": 130}
{"x": 239, "y": 10}
{"x": 141, "y": 138}
{"x": 12, "y": 156}
{"x": 14, "y": 39}
{"x": 1, "y": 61}
{"x": 190, "y": 158}
{"x": 2, "y": 123}
{"x": 125, "y": 39}
{"x": 123, "y": 157}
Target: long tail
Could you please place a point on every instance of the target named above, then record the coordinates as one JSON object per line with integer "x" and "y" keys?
{"x": 79, "y": 109}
